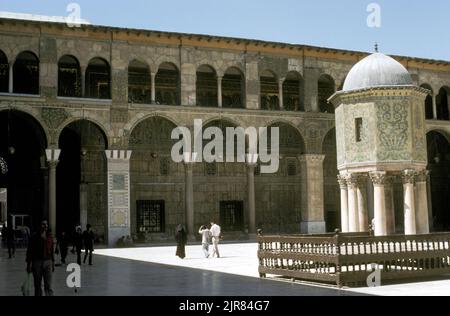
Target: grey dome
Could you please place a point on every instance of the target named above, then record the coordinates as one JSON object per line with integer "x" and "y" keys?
{"x": 377, "y": 70}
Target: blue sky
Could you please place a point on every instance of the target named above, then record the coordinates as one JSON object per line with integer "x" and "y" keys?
{"x": 411, "y": 28}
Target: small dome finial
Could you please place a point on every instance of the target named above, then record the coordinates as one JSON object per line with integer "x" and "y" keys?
{"x": 376, "y": 47}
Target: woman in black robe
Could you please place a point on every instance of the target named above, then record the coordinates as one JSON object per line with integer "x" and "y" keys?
{"x": 181, "y": 238}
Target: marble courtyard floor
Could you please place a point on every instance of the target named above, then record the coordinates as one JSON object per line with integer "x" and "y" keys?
{"x": 156, "y": 271}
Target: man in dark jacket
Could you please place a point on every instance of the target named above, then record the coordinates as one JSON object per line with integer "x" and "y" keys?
{"x": 78, "y": 243}
{"x": 11, "y": 241}
{"x": 41, "y": 260}
{"x": 88, "y": 239}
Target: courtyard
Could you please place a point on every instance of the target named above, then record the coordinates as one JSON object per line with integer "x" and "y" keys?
{"x": 156, "y": 271}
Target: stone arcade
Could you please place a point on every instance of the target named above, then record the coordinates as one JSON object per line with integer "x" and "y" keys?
{"x": 86, "y": 116}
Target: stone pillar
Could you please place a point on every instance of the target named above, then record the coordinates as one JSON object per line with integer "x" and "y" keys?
{"x": 153, "y": 88}
{"x": 353, "y": 212}
{"x": 11, "y": 78}
{"x": 4, "y": 204}
{"x": 280, "y": 94}
{"x": 251, "y": 199}
{"x": 390, "y": 207}
{"x": 422, "y": 218}
{"x": 189, "y": 198}
{"x": 379, "y": 181}
{"x": 52, "y": 159}
{"x": 118, "y": 162}
{"x": 83, "y": 81}
{"x": 313, "y": 217}
{"x": 344, "y": 203}
{"x": 83, "y": 204}
{"x": 433, "y": 96}
{"x": 311, "y": 77}
{"x": 363, "y": 215}
{"x": 409, "y": 202}
{"x": 219, "y": 91}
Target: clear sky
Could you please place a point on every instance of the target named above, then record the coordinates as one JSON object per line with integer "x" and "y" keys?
{"x": 408, "y": 27}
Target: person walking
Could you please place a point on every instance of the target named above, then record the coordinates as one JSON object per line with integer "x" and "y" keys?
{"x": 88, "y": 239}
{"x": 40, "y": 259}
{"x": 215, "y": 233}
{"x": 62, "y": 246}
{"x": 181, "y": 238}
{"x": 206, "y": 234}
{"x": 78, "y": 243}
{"x": 10, "y": 241}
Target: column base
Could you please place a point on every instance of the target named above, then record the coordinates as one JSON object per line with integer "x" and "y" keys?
{"x": 313, "y": 227}
{"x": 114, "y": 234}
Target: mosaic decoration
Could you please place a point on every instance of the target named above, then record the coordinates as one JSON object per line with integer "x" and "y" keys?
{"x": 3, "y": 166}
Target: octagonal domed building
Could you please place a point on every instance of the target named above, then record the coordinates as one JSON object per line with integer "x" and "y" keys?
{"x": 381, "y": 135}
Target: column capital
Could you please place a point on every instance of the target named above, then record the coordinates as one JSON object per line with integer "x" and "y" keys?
{"x": 118, "y": 154}
{"x": 378, "y": 177}
{"x": 422, "y": 176}
{"x": 342, "y": 180}
{"x": 352, "y": 181}
{"x": 52, "y": 155}
{"x": 312, "y": 158}
{"x": 361, "y": 179}
{"x": 219, "y": 77}
{"x": 409, "y": 176}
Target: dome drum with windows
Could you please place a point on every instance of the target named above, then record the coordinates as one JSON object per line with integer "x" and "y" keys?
{"x": 380, "y": 119}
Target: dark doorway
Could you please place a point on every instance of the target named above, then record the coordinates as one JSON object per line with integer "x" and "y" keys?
{"x": 439, "y": 166}
{"x": 232, "y": 215}
{"x": 22, "y": 145}
{"x": 150, "y": 216}
{"x": 81, "y": 165}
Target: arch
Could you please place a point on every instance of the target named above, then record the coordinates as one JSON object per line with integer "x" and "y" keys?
{"x": 72, "y": 120}
{"x": 325, "y": 89}
{"x": 4, "y": 72}
{"x": 428, "y": 102}
{"x": 443, "y": 104}
{"x": 206, "y": 86}
{"x": 98, "y": 79}
{"x": 292, "y": 143}
{"x": 438, "y": 145}
{"x": 80, "y": 177}
{"x": 26, "y": 73}
{"x": 22, "y": 145}
{"x": 233, "y": 88}
{"x": 139, "y": 82}
{"x": 269, "y": 92}
{"x": 167, "y": 84}
{"x": 331, "y": 187}
{"x": 69, "y": 77}
{"x": 293, "y": 92}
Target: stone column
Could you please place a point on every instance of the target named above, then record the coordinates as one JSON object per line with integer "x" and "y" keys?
{"x": 189, "y": 198}
{"x": 4, "y": 204}
{"x": 433, "y": 96}
{"x": 280, "y": 94}
{"x": 344, "y": 203}
{"x": 153, "y": 88}
{"x": 379, "y": 181}
{"x": 219, "y": 91}
{"x": 11, "y": 78}
{"x": 251, "y": 199}
{"x": 83, "y": 81}
{"x": 390, "y": 208}
{"x": 363, "y": 215}
{"x": 353, "y": 212}
{"x": 83, "y": 204}
{"x": 313, "y": 217}
{"x": 119, "y": 218}
{"x": 409, "y": 202}
{"x": 422, "y": 218}
{"x": 52, "y": 159}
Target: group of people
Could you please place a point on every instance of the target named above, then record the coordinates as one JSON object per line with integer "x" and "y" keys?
{"x": 212, "y": 233}
{"x": 40, "y": 257}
